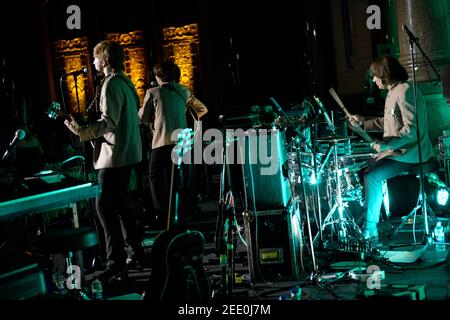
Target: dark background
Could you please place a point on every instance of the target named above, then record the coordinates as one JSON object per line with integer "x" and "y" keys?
{"x": 249, "y": 51}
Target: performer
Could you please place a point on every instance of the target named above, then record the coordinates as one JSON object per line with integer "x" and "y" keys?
{"x": 399, "y": 127}
{"x": 164, "y": 111}
{"x": 117, "y": 149}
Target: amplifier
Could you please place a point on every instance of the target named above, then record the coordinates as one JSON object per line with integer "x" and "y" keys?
{"x": 274, "y": 244}
{"x": 444, "y": 147}
{"x": 446, "y": 167}
{"x": 266, "y": 169}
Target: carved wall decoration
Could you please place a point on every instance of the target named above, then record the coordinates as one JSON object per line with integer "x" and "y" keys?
{"x": 135, "y": 59}
{"x": 73, "y": 55}
{"x": 182, "y": 45}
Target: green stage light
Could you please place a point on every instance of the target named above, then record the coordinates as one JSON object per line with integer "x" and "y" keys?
{"x": 442, "y": 196}
{"x": 437, "y": 194}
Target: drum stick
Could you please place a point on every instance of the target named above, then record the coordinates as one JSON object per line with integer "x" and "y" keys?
{"x": 356, "y": 128}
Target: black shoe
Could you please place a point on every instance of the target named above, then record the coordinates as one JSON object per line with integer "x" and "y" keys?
{"x": 113, "y": 273}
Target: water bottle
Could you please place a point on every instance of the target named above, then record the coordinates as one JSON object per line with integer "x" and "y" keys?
{"x": 97, "y": 290}
{"x": 295, "y": 293}
{"x": 439, "y": 237}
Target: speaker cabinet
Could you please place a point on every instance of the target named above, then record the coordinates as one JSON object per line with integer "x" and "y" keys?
{"x": 274, "y": 243}
{"x": 403, "y": 193}
{"x": 266, "y": 169}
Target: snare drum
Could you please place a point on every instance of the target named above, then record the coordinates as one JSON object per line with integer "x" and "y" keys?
{"x": 351, "y": 187}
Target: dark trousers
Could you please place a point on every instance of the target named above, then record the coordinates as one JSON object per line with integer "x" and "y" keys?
{"x": 119, "y": 226}
{"x": 373, "y": 183}
{"x": 160, "y": 176}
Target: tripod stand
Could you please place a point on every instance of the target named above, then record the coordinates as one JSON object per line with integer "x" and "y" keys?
{"x": 224, "y": 239}
{"x": 422, "y": 201}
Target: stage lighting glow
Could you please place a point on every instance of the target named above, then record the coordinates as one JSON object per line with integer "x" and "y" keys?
{"x": 442, "y": 196}
{"x": 437, "y": 193}
{"x": 313, "y": 180}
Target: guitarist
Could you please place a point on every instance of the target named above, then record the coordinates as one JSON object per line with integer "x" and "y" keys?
{"x": 399, "y": 127}
{"x": 164, "y": 111}
{"x": 119, "y": 149}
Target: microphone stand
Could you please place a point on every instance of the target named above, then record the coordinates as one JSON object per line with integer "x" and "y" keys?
{"x": 423, "y": 200}
{"x": 63, "y": 100}
{"x": 314, "y": 277}
{"x": 83, "y": 145}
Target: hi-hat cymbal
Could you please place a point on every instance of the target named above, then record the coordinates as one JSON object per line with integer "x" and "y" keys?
{"x": 335, "y": 138}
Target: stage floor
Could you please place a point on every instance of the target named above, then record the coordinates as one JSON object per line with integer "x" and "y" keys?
{"x": 406, "y": 271}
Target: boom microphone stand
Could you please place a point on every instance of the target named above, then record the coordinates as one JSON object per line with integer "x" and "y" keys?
{"x": 413, "y": 40}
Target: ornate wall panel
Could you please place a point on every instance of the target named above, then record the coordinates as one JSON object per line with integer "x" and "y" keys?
{"x": 181, "y": 45}
{"x": 73, "y": 55}
{"x": 136, "y": 66}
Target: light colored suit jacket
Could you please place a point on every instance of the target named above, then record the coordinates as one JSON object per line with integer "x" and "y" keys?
{"x": 164, "y": 110}
{"x": 399, "y": 124}
{"x": 118, "y": 127}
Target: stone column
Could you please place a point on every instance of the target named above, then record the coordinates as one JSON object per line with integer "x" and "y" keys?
{"x": 428, "y": 20}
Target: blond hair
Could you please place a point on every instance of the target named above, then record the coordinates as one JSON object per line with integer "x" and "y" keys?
{"x": 111, "y": 53}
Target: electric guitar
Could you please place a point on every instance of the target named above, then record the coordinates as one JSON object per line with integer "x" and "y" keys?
{"x": 177, "y": 254}
{"x": 55, "y": 112}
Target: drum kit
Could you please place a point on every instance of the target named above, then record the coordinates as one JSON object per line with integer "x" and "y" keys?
{"x": 326, "y": 173}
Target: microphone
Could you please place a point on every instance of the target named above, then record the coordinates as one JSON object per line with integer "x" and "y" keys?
{"x": 327, "y": 118}
{"x": 409, "y": 33}
{"x": 76, "y": 72}
{"x": 19, "y": 135}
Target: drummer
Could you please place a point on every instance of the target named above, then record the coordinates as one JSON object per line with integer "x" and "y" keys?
{"x": 398, "y": 151}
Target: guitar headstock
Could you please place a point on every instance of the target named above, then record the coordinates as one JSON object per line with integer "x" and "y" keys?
{"x": 55, "y": 112}
{"x": 184, "y": 144}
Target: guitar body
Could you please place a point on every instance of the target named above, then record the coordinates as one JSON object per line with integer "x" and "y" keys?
{"x": 177, "y": 255}
{"x": 177, "y": 269}
{"x": 55, "y": 112}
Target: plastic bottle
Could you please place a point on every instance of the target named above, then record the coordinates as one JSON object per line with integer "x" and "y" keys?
{"x": 97, "y": 290}
{"x": 295, "y": 293}
{"x": 439, "y": 237}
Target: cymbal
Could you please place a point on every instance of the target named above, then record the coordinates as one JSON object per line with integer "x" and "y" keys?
{"x": 302, "y": 122}
{"x": 335, "y": 138}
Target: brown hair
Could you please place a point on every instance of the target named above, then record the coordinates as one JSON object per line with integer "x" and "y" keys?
{"x": 389, "y": 70}
{"x": 167, "y": 71}
{"x": 112, "y": 53}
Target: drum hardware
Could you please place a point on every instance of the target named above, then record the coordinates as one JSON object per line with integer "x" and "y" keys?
{"x": 360, "y": 156}
{"x": 344, "y": 149}
{"x": 344, "y": 221}
{"x": 315, "y": 277}
{"x": 335, "y": 139}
